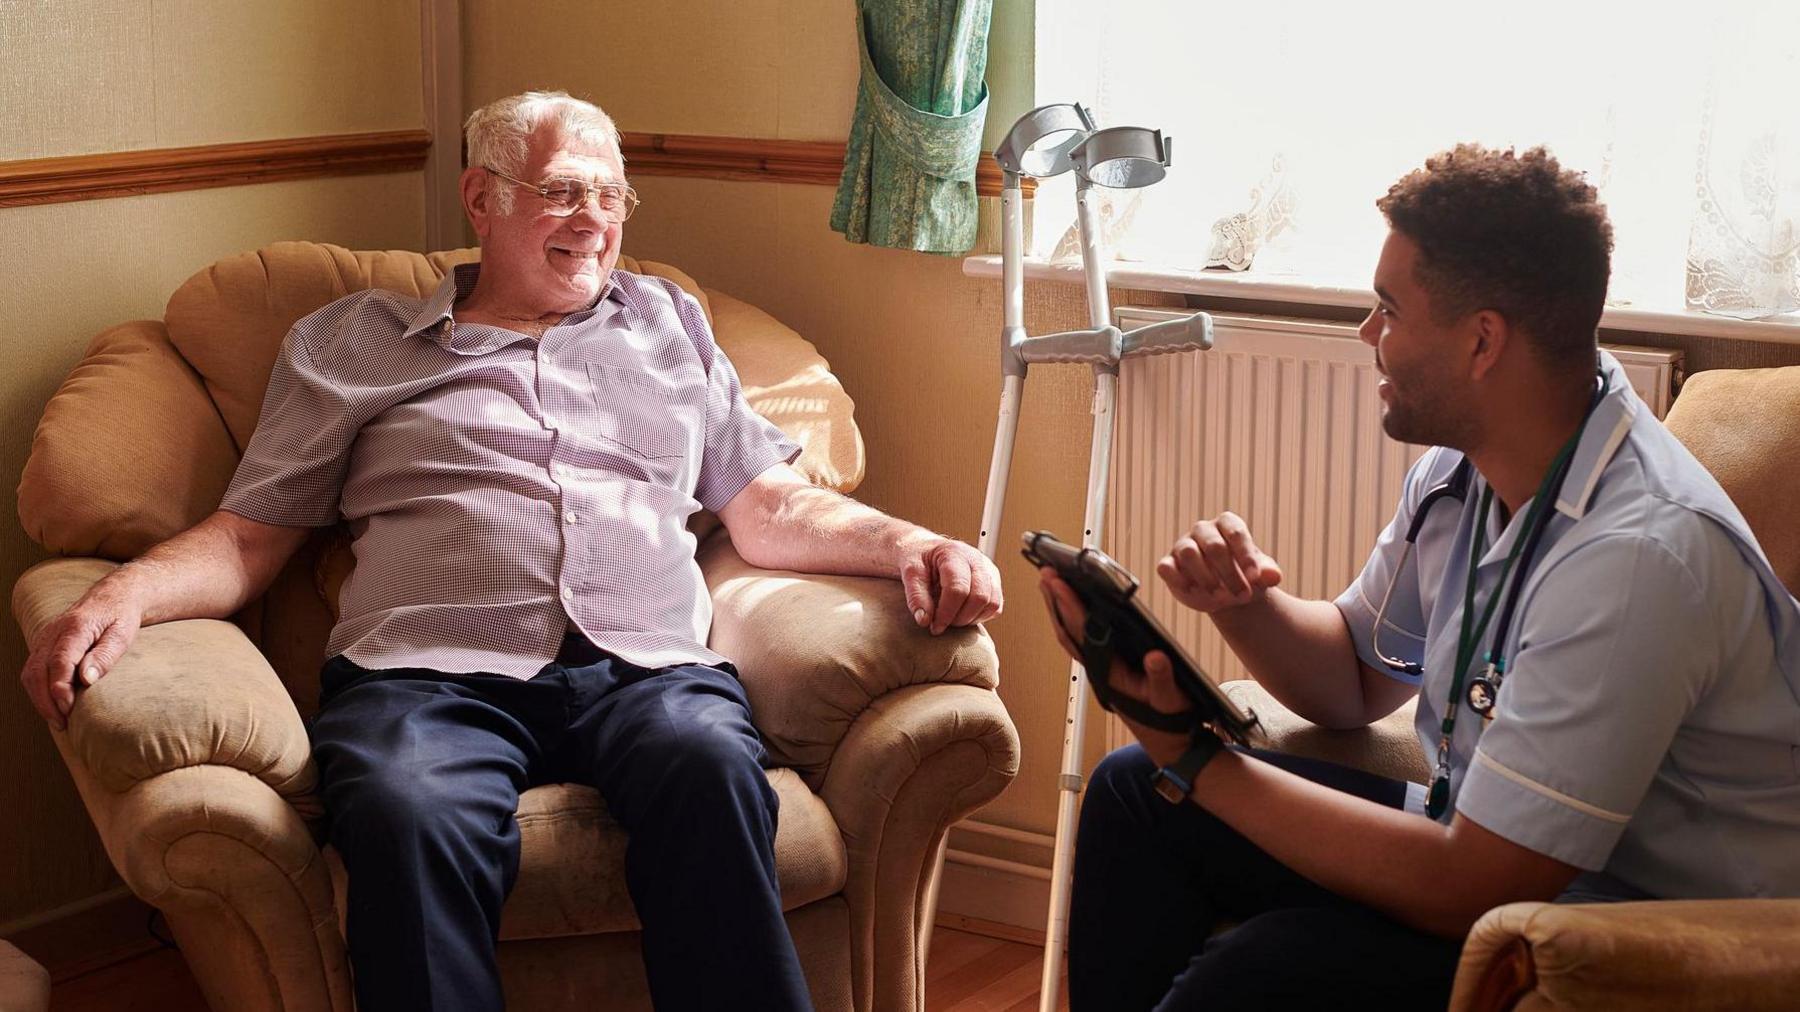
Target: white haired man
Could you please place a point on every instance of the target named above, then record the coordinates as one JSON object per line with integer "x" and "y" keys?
{"x": 518, "y": 456}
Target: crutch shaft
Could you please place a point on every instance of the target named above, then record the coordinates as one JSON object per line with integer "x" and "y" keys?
{"x": 1000, "y": 468}
{"x": 1069, "y": 784}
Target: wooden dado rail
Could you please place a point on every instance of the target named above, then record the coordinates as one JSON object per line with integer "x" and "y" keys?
{"x": 161, "y": 170}
{"x": 750, "y": 159}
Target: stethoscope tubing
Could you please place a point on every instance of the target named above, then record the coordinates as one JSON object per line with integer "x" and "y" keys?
{"x": 1456, "y": 487}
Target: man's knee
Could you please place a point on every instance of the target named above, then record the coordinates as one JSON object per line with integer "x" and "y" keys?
{"x": 1314, "y": 957}
{"x": 398, "y": 806}
{"x": 1119, "y": 788}
{"x": 709, "y": 760}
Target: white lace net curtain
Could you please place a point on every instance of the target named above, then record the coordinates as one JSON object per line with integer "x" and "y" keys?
{"x": 1290, "y": 119}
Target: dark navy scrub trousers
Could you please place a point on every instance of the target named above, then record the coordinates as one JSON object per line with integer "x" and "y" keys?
{"x": 421, "y": 773}
{"x": 1153, "y": 881}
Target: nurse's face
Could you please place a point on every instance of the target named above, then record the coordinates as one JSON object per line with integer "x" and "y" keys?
{"x": 1425, "y": 397}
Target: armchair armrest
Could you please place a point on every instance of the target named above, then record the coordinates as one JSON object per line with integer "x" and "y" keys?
{"x": 195, "y": 767}
{"x": 189, "y": 693}
{"x": 1389, "y": 747}
{"x": 1651, "y": 955}
{"x": 814, "y": 652}
{"x": 900, "y": 732}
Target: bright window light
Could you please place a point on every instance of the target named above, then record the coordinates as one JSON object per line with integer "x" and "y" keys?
{"x": 1293, "y": 117}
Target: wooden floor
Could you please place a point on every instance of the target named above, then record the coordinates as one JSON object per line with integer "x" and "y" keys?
{"x": 967, "y": 973}
{"x": 975, "y": 973}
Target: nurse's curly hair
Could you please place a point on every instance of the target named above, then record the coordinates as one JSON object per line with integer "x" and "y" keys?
{"x": 1512, "y": 232}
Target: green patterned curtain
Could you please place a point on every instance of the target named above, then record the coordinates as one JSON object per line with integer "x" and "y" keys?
{"x": 909, "y": 171}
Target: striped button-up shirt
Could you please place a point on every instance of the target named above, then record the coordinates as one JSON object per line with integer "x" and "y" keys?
{"x": 502, "y": 488}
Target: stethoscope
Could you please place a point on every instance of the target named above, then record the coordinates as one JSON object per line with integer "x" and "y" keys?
{"x": 1483, "y": 691}
{"x": 1455, "y": 487}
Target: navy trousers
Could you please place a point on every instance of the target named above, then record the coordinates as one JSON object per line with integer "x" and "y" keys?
{"x": 421, "y": 773}
{"x": 1153, "y": 879}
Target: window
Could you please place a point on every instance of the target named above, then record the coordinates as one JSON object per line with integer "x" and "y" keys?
{"x": 1290, "y": 118}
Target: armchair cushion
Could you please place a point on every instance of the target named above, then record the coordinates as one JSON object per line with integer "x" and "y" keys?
{"x": 1389, "y": 747}
{"x": 129, "y": 450}
{"x": 789, "y": 383}
{"x": 228, "y": 320}
{"x": 572, "y": 861}
{"x": 1744, "y": 426}
{"x": 1652, "y": 955}
{"x": 815, "y": 651}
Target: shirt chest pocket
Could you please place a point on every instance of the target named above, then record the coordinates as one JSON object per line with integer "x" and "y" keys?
{"x": 640, "y": 413}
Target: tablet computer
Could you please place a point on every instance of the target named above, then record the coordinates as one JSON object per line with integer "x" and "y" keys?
{"x": 1109, "y": 592}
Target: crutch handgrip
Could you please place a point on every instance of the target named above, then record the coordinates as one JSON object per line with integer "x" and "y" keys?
{"x": 1099, "y": 346}
{"x": 1189, "y": 333}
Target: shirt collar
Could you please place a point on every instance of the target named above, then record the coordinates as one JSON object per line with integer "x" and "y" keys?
{"x": 436, "y": 317}
{"x": 1600, "y": 440}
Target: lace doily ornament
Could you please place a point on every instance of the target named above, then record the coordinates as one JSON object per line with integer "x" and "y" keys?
{"x": 1236, "y": 238}
{"x": 1743, "y": 256}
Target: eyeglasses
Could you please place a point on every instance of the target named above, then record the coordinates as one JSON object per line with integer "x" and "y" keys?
{"x": 566, "y": 196}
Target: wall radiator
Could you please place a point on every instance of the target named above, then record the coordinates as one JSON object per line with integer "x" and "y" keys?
{"x": 1280, "y": 423}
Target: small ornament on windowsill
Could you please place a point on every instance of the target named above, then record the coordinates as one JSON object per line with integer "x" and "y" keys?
{"x": 1236, "y": 238}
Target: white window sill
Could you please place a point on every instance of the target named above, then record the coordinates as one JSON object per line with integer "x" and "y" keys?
{"x": 1298, "y": 291}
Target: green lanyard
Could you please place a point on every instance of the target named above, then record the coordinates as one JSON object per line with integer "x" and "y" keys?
{"x": 1438, "y": 798}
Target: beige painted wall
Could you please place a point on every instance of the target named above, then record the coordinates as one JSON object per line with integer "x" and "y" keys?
{"x": 86, "y": 76}
{"x": 915, "y": 343}
{"x": 782, "y": 69}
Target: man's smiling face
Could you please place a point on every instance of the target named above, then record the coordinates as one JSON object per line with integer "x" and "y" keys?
{"x": 541, "y": 261}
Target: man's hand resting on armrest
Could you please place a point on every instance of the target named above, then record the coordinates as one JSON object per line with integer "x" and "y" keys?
{"x": 948, "y": 583}
{"x": 782, "y": 521}
{"x": 208, "y": 571}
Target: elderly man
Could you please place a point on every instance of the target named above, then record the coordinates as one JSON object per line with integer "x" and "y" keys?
{"x": 518, "y": 456}
{"x": 1605, "y": 666}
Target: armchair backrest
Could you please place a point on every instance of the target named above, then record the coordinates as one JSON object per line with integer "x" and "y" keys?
{"x": 1744, "y": 425}
{"x": 141, "y": 439}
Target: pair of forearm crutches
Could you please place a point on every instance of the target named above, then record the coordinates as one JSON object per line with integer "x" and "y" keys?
{"x": 1049, "y": 141}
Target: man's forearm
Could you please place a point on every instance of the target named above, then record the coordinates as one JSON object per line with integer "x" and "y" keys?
{"x": 814, "y": 530}
{"x": 1401, "y": 864}
{"x": 209, "y": 570}
{"x": 1301, "y": 652}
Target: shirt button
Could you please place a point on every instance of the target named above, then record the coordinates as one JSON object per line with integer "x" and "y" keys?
{"x": 560, "y": 470}
{"x": 549, "y": 421}
{"x": 571, "y": 517}
{"x": 568, "y": 594}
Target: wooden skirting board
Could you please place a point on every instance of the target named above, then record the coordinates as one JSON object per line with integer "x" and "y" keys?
{"x": 101, "y": 931}
{"x": 1017, "y": 901}
{"x": 163, "y": 170}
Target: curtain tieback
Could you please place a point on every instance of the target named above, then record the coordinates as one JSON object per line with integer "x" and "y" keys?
{"x": 947, "y": 147}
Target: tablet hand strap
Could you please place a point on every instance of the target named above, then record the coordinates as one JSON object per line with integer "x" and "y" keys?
{"x": 1096, "y": 658}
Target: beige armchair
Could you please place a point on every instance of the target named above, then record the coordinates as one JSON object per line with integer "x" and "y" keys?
{"x": 194, "y": 763}
{"x": 1744, "y": 425}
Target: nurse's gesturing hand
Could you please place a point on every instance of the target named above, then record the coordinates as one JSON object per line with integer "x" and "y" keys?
{"x": 1217, "y": 566}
